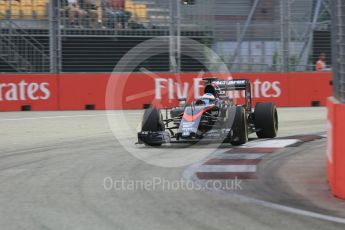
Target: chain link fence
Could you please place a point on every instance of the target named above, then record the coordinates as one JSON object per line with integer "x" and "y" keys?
{"x": 93, "y": 35}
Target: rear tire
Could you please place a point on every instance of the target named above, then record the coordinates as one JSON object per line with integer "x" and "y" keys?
{"x": 152, "y": 121}
{"x": 266, "y": 120}
{"x": 238, "y": 122}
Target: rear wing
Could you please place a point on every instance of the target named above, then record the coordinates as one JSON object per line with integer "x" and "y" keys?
{"x": 229, "y": 85}
{"x": 232, "y": 84}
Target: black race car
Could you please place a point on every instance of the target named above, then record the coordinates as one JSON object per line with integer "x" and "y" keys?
{"x": 216, "y": 118}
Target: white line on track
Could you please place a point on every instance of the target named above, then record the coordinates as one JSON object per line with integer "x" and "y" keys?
{"x": 59, "y": 117}
{"x": 300, "y": 108}
{"x": 239, "y": 156}
{"x": 288, "y": 209}
{"x": 227, "y": 168}
{"x": 271, "y": 143}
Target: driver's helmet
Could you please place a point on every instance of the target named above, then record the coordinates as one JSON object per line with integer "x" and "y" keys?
{"x": 208, "y": 98}
{"x": 216, "y": 88}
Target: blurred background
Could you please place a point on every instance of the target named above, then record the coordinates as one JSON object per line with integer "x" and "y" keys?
{"x": 93, "y": 35}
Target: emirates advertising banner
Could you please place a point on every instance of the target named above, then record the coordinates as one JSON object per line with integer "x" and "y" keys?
{"x": 38, "y": 91}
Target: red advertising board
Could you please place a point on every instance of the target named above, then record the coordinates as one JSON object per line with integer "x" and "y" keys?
{"x": 336, "y": 148}
{"x": 78, "y": 90}
{"x": 133, "y": 90}
{"x": 285, "y": 89}
{"x": 36, "y": 91}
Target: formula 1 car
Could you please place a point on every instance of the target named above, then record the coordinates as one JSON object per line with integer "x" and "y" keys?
{"x": 214, "y": 117}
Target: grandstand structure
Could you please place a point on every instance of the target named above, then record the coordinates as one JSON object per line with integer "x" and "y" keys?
{"x": 248, "y": 35}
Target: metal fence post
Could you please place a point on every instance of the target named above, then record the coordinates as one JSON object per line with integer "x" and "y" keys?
{"x": 285, "y": 34}
{"x": 178, "y": 35}
{"x": 338, "y": 50}
{"x": 175, "y": 36}
{"x": 341, "y": 50}
{"x": 335, "y": 60}
{"x": 54, "y": 36}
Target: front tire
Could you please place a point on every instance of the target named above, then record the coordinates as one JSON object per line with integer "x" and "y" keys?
{"x": 238, "y": 122}
{"x": 266, "y": 120}
{"x": 152, "y": 121}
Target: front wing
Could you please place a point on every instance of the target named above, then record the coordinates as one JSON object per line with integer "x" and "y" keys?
{"x": 162, "y": 137}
